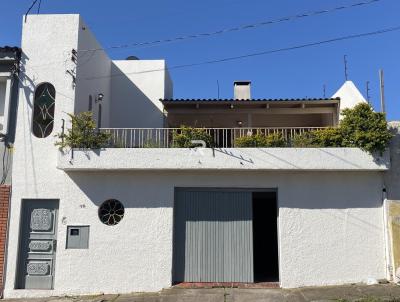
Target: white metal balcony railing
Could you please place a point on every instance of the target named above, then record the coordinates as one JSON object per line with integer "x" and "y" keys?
{"x": 164, "y": 137}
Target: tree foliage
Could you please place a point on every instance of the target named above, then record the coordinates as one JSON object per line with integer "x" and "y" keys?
{"x": 83, "y": 133}
{"x": 363, "y": 128}
{"x": 360, "y": 127}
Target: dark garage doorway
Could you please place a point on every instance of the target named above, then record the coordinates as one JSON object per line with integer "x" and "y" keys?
{"x": 265, "y": 237}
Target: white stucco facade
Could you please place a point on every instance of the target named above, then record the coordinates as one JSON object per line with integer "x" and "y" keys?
{"x": 137, "y": 87}
{"x": 330, "y": 228}
{"x": 330, "y": 201}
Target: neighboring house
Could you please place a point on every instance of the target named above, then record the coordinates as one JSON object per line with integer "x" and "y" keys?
{"x": 9, "y": 67}
{"x": 350, "y": 96}
{"x": 144, "y": 216}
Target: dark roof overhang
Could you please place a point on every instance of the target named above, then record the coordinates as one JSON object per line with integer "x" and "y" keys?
{"x": 251, "y": 101}
{"x": 8, "y": 53}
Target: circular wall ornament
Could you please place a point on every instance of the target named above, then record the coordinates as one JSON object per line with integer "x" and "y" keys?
{"x": 111, "y": 212}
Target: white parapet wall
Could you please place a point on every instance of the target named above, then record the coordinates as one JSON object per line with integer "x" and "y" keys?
{"x": 262, "y": 159}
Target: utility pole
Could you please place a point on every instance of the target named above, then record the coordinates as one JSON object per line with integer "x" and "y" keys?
{"x": 382, "y": 89}
{"x": 324, "y": 91}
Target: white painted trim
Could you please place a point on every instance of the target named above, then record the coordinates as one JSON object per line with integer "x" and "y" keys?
{"x": 5, "y": 74}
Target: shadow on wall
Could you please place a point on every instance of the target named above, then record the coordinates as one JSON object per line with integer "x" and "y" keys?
{"x": 27, "y": 86}
{"x": 392, "y": 177}
{"x": 310, "y": 190}
{"x": 131, "y": 108}
{"x": 133, "y": 192}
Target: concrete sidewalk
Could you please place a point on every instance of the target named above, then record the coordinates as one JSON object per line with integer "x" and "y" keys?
{"x": 386, "y": 292}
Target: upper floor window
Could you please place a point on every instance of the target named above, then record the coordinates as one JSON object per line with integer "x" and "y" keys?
{"x": 43, "y": 110}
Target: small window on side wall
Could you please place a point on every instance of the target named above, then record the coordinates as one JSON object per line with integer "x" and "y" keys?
{"x": 99, "y": 117}
{"x": 43, "y": 110}
{"x": 90, "y": 106}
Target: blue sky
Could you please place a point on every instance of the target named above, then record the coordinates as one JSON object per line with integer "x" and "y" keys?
{"x": 299, "y": 73}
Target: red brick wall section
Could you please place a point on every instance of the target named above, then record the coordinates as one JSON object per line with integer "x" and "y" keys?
{"x": 4, "y": 206}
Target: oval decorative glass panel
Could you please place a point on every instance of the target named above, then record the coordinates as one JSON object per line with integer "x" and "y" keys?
{"x": 111, "y": 212}
{"x": 43, "y": 110}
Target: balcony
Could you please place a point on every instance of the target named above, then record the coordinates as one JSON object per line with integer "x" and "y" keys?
{"x": 220, "y": 137}
{"x": 142, "y": 149}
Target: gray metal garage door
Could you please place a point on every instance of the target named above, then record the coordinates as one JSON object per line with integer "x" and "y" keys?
{"x": 213, "y": 238}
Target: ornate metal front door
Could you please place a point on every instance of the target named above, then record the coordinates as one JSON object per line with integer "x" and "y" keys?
{"x": 38, "y": 242}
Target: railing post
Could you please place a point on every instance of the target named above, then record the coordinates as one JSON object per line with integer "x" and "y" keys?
{"x": 62, "y": 131}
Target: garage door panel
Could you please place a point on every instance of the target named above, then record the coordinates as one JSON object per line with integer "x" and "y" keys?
{"x": 213, "y": 237}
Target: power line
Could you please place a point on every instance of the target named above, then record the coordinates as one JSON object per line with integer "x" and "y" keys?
{"x": 38, "y": 10}
{"x": 355, "y": 36}
{"x": 29, "y": 9}
{"x": 217, "y": 32}
{"x": 239, "y": 28}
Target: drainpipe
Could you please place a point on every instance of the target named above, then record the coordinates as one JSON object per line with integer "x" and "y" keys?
{"x": 386, "y": 232}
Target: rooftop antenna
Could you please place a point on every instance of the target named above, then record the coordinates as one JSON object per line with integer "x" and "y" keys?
{"x": 29, "y": 9}
{"x": 218, "y": 89}
{"x": 382, "y": 86}
{"x": 324, "y": 91}
{"x": 368, "y": 96}
{"x": 345, "y": 67}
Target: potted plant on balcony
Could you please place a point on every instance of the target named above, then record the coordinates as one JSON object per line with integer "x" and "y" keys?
{"x": 262, "y": 141}
{"x": 83, "y": 134}
{"x": 330, "y": 137}
{"x": 184, "y": 137}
